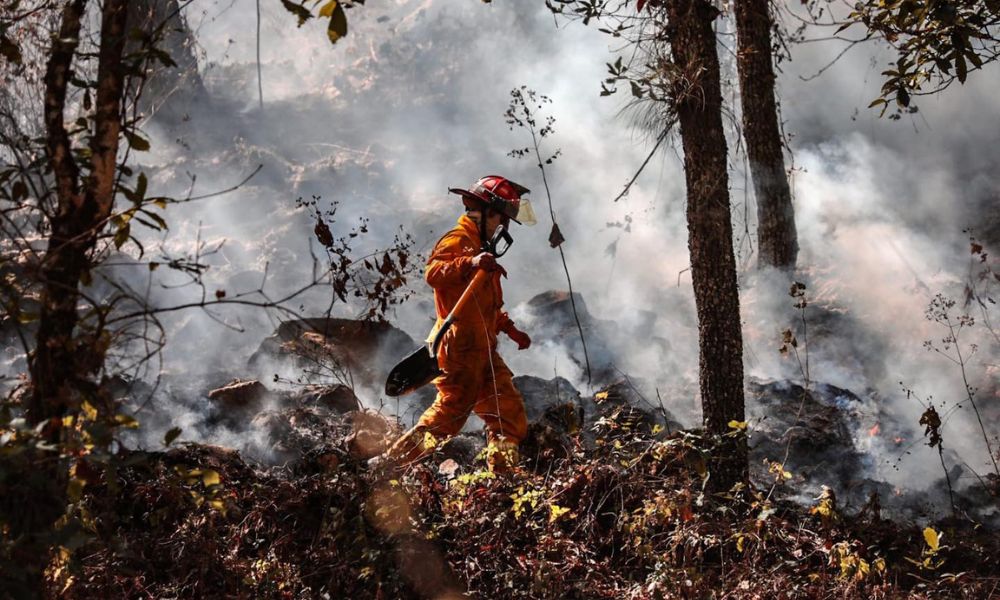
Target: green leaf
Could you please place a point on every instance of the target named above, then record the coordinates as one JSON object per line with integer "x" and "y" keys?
{"x": 174, "y": 432}
{"x": 157, "y": 218}
{"x": 136, "y": 141}
{"x": 974, "y": 59}
{"x": 903, "y": 97}
{"x": 121, "y": 236}
{"x": 298, "y": 10}
{"x": 140, "y": 188}
{"x": 338, "y": 23}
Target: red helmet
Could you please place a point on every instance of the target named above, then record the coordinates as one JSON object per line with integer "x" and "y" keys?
{"x": 500, "y": 194}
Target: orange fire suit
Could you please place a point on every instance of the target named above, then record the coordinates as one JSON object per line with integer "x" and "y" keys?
{"x": 474, "y": 377}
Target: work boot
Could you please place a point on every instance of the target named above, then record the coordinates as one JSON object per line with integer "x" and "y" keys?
{"x": 501, "y": 455}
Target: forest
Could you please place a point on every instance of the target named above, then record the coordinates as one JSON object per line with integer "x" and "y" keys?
{"x": 742, "y": 255}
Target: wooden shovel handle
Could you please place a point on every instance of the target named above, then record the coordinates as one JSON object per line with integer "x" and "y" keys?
{"x": 467, "y": 294}
{"x": 462, "y": 301}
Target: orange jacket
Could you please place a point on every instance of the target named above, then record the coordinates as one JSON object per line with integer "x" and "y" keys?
{"x": 449, "y": 270}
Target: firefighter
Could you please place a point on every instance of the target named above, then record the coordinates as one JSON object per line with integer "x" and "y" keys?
{"x": 474, "y": 377}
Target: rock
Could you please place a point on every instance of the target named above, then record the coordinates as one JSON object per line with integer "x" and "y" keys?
{"x": 814, "y": 427}
{"x": 462, "y": 448}
{"x": 557, "y": 308}
{"x": 557, "y": 413}
{"x": 371, "y": 435}
{"x": 241, "y": 395}
{"x": 366, "y": 350}
{"x": 623, "y": 398}
{"x": 553, "y": 321}
{"x": 338, "y": 398}
{"x": 448, "y": 468}
{"x": 540, "y": 394}
{"x": 553, "y": 436}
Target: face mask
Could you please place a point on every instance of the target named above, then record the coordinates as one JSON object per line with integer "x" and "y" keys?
{"x": 500, "y": 242}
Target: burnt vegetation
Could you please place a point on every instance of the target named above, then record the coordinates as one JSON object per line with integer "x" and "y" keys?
{"x": 768, "y": 498}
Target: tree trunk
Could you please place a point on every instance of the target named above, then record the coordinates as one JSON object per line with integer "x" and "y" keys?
{"x": 33, "y": 485}
{"x": 59, "y": 365}
{"x": 710, "y": 234}
{"x": 777, "y": 240}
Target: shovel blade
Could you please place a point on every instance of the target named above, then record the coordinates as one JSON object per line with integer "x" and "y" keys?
{"x": 414, "y": 371}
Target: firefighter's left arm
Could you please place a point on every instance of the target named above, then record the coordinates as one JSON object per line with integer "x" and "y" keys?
{"x": 506, "y": 325}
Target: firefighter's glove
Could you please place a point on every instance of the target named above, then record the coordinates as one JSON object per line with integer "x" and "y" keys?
{"x": 488, "y": 263}
{"x": 519, "y": 337}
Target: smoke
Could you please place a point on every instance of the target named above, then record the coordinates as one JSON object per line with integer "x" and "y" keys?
{"x": 411, "y": 103}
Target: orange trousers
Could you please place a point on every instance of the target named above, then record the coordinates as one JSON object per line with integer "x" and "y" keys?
{"x": 475, "y": 379}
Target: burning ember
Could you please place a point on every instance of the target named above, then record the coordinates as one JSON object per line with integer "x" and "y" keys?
{"x": 874, "y": 430}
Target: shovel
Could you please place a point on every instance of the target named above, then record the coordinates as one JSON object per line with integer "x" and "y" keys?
{"x": 419, "y": 368}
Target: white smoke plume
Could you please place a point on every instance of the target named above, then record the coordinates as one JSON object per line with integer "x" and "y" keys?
{"x": 411, "y": 102}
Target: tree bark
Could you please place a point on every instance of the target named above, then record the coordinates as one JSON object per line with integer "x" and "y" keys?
{"x": 698, "y": 102}
{"x": 59, "y": 366}
{"x": 777, "y": 239}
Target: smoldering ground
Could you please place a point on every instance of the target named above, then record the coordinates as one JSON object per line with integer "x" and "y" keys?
{"x": 411, "y": 103}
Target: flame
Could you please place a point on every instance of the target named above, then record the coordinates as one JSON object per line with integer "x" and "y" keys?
{"x": 874, "y": 430}
{"x": 898, "y": 439}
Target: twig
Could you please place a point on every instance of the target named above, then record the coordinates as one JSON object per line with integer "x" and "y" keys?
{"x": 628, "y": 186}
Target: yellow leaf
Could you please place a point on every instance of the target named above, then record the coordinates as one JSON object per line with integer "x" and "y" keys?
{"x": 127, "y": 421}
{"x": 600, "y": 397}
{"x": 74, "y": 489}
{"x": 657, "y": 428}
{"x": 863, "y": 568}
{"x": 210, "y": 477}
{"x": 932, "y": 538}
{"x": 738, "y": 425}
{"x": 337, "y": 27}
{"x": 327, "y": 9}
{"x": 556, "y": 511}
{"x": 739, "y": 544}
{"x": 879, "y": 564}
{"x": 88, "y": 410}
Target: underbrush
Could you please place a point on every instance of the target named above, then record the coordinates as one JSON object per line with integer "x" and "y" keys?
{"x": 625, "y": 519}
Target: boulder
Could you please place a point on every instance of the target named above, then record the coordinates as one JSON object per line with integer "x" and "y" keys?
{"x": 341, "y": 348}
{"x": 244, "y": 396}
{"x": 541, "y": 394}
{"x": 814, "y": 428}
{"x": 624, "y": 398}
{"x": 338, "y": 398}
{"x": 553, "y": 321}
{"x": 371, "y": 434}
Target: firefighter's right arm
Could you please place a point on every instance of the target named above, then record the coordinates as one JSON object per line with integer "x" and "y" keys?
{"x": 449, "y": 265}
